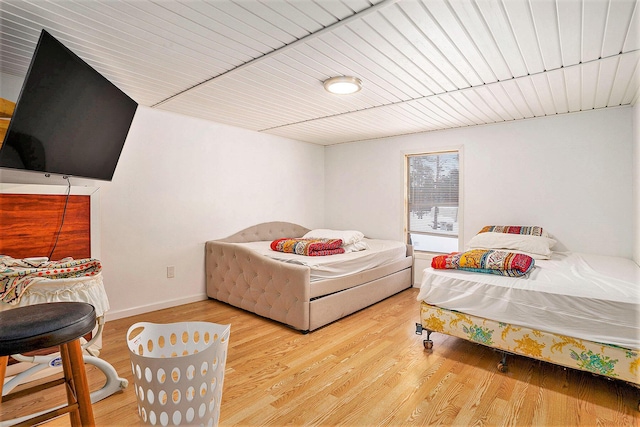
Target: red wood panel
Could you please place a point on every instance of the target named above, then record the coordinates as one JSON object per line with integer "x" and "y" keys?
{"x": 29, "y": 224}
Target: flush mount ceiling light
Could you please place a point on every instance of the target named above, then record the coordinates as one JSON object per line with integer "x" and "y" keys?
{"x": 342, "y": 85}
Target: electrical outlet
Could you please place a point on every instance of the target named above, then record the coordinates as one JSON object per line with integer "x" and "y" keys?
{"x": 171, "y": 272}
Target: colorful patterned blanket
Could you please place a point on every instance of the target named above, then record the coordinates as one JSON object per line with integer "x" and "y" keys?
{"x": 309, "y": 247}
{"x": 486, "y": 261}
{"x": 16, "y": 275}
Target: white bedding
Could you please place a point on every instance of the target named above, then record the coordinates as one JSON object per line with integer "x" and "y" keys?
{"x": 585, "y": 296}
{"x": 380, "y": 252}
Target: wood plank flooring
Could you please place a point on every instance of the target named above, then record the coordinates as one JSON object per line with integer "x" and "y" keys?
{"x": 367, "y": 369}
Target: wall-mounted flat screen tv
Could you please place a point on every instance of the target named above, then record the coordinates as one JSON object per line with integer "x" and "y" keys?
{"x": 69, "y": 119}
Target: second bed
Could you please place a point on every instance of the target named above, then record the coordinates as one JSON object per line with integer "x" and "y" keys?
{"x": 576, "y": 310}
{"x": 303, "y": 292}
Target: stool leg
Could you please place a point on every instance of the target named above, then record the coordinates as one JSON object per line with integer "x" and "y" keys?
{"x": 70, "y": 386}
{"x": 3, "y": 371}
{"x": 73, "y": 352}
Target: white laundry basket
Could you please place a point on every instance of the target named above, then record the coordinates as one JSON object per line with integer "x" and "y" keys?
{"x": 178, "y": 371}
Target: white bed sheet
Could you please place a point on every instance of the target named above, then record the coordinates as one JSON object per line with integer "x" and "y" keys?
{"x": 585, "y": 296}
{"x": 380, "y": 252}
{"x": 88, "y": 289}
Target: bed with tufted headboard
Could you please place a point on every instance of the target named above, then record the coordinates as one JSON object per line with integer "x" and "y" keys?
{"x": 302, "y": 292}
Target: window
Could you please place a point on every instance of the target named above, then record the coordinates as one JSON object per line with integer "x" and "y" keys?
{"x": 432, "y": 201}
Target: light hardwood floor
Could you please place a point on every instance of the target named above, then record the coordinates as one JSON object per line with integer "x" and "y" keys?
{"x": 367, "y": 369}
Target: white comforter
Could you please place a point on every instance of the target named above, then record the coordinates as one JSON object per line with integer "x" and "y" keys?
{"x": 379, "y": 252}
{"x": 586, "y": 296}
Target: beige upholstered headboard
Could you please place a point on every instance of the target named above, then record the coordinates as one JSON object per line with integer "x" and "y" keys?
{"x": 267, "y": 231}
{"x": 241, "y": 277}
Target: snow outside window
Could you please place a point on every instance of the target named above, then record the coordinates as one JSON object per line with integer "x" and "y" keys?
{"x": 432, "y": 201}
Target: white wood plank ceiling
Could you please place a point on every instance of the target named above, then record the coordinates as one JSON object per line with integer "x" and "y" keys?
{"x": 425, "y": 64}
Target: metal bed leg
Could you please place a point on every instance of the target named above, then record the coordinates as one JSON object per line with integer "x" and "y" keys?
{"x": 428, "y": 344}
{"x": 502, "y": 365}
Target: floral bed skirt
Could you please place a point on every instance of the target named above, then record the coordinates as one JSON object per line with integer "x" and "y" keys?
{"x": 611, "y": 361}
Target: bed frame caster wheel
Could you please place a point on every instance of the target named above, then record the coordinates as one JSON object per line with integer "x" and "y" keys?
{"x": 428, "y": 344}
{"x": 502, "y": 364}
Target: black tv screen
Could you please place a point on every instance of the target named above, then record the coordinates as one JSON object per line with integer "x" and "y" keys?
{"x": 69, "y": 119}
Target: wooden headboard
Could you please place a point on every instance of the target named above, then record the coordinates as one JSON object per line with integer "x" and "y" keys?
{"x": 29, "y": 224}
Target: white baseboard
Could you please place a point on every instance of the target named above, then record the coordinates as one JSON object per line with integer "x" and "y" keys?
{"x": 119, "y": 314}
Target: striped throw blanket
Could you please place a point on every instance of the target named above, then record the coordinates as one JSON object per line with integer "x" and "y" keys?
{"x": 486, "y": 261}
{"x": 514, "y": 229}
{"x": 16, "y": 275}
{"x": 309, "y": 247}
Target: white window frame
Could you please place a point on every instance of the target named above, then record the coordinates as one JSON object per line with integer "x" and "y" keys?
{"x": 406, "y": 155}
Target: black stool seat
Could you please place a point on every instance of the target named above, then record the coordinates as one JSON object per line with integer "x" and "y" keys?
{"x": 44, "y": 325}
{"x": 41, "y": 326}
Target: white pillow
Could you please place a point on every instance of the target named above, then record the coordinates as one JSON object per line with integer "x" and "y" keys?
{"x": 348, "y": 237}
{"x": 537, "y": 247}
{"x": 355, "y": 247}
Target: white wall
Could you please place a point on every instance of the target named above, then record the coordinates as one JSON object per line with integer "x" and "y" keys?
{"x": 571, "y": 174}
{"x": 636, "y": 183}
{"x": 182, "y": 181}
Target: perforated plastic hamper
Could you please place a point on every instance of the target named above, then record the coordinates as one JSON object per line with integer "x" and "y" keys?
{"x": 178, "y": 371}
